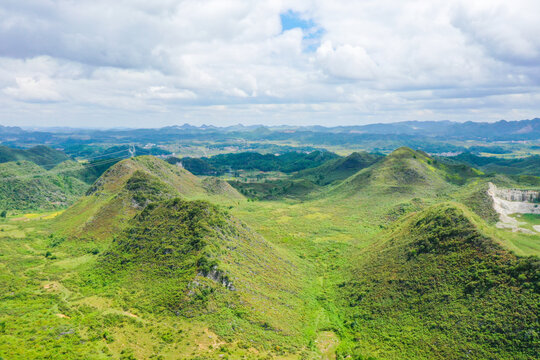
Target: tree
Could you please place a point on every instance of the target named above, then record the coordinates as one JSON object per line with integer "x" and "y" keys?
{"x": 3, "y": 214}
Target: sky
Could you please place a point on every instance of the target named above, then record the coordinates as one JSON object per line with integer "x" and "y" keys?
{"x": 139, "y": 63}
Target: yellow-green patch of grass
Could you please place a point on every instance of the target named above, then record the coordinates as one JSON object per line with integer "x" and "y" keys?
{"x": 52, "y": 215}
{"x": 32, "y": 215}
{"x": 327, "y": 343}
{"x": 12, "y": 231}
{"x": 73, "y": 262}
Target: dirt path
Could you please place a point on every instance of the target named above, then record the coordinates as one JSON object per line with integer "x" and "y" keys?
{"x": 327, "y": 343}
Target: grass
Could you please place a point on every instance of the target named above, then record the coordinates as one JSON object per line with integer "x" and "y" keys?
{"x": 27, "y": 186}
{"x": 61, "y": 319}
{"x": 296, "y": 264}
{"x": 435, "y": 286}
{"x": 528, "y": 221}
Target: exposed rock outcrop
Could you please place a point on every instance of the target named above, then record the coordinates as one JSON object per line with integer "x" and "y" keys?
{"x": 219, "y": 277}
{"x": 529, "y": 196}
{"x": 514, "y": 201}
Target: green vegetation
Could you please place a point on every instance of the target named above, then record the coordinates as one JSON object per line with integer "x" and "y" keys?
{"x": 528, "y": 221}
{"x": 226, "y": 163}
{"x": 306, "y": 257}
{"x": 275, "y": 189}
{"x": 26, "y": 186}
{"x": 109, "y": 152}
{"x": 436, "y": 287}
{"x": 404, "y": 171}
{"x": 338, "y": 169}
{"x": 519, "y": 166}
{"x": 126, "y": 188}
{"x": 40, "y": 155}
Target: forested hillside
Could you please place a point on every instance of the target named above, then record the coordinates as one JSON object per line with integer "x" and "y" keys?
{"x": 40, "y": 155}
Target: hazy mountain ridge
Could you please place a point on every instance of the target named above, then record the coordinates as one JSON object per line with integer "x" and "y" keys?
{"x": 410, "y": 131}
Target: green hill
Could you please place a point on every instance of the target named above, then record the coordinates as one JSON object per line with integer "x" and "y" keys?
{"x": 128, "y": 186}
{"x": 435, "y": 287}
{"x": 40, "y": 155}
{"x": 27, "y": 186}
{"x": 223, "y": 163}
{"x": 406, "y": 171}
{"x": 368, "y": 261}
{"x": 338, "y": 169}
{"x": 192, "y": 259}
{"x": 524, "y": 166}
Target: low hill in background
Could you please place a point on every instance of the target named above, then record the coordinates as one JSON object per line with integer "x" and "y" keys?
{"x": 41, "y": 178}
{"x": 40, "y": 155}
{"x": 338, "y": 169}
{"x": 524, "y": 166}
{"x": 403, "y": 171}
{"x": 221, "y": 164}
{"x": 27, "y": 186}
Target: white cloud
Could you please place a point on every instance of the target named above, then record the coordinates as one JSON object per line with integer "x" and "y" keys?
{"x": 506, "y": 31}
{"x": 346, "y": 61}
{"x": 226, "y": 61}
{"x": 33, "y": 90}
{"x": 164, "y": 93}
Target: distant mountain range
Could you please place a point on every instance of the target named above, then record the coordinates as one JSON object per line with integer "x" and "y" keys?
{"x": 407, "y": 132}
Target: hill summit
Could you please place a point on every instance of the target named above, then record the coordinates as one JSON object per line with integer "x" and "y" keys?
{"x": 127, "y": 187}
{"x": 339, "y": 169}
{"x": 443, "y": 288}
{"x": 192, "y": 258}
{"x": 408, "y": 171}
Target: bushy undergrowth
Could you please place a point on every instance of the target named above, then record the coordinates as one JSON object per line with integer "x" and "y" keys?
{"x": 445, "y": 291}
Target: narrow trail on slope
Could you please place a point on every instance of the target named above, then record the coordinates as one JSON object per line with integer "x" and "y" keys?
{"x": 327, "y": 318}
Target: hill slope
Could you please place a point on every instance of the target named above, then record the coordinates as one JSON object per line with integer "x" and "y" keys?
{"x": 40, "y": 155}
{"x": 435, "y": 287}
{"x": 27, "y": 186}
{"x": 188, "y": 257}
{"x": 406, "y": 171}
{"x": 338, "y": 169}
{"x": 128, "y": 186}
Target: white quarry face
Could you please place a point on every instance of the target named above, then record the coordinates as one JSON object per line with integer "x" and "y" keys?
{"x": 514, "y": 201}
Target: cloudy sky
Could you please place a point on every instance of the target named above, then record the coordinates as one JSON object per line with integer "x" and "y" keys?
{"x": 139, "y": 63}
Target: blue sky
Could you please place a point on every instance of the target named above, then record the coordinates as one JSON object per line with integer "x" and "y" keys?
{"x": 311, "y": 32}
{"x": 292, "y": 19}
{"x": 146, "y": 64}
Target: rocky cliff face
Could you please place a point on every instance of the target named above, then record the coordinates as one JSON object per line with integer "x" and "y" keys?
{"x": 513, "y": 201}
{"x": 516, "y": 195}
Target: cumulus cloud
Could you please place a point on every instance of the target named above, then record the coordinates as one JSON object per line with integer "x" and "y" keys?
{"x": 303, "y": 61}
{"x": 506, "y": 31}
{"x": 33, "y": 89}
{"x": 346, "y": 61}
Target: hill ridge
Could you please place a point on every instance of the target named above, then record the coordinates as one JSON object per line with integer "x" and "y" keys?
{"x": 435, "y": 278}
{"x": 128, "y": 186}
